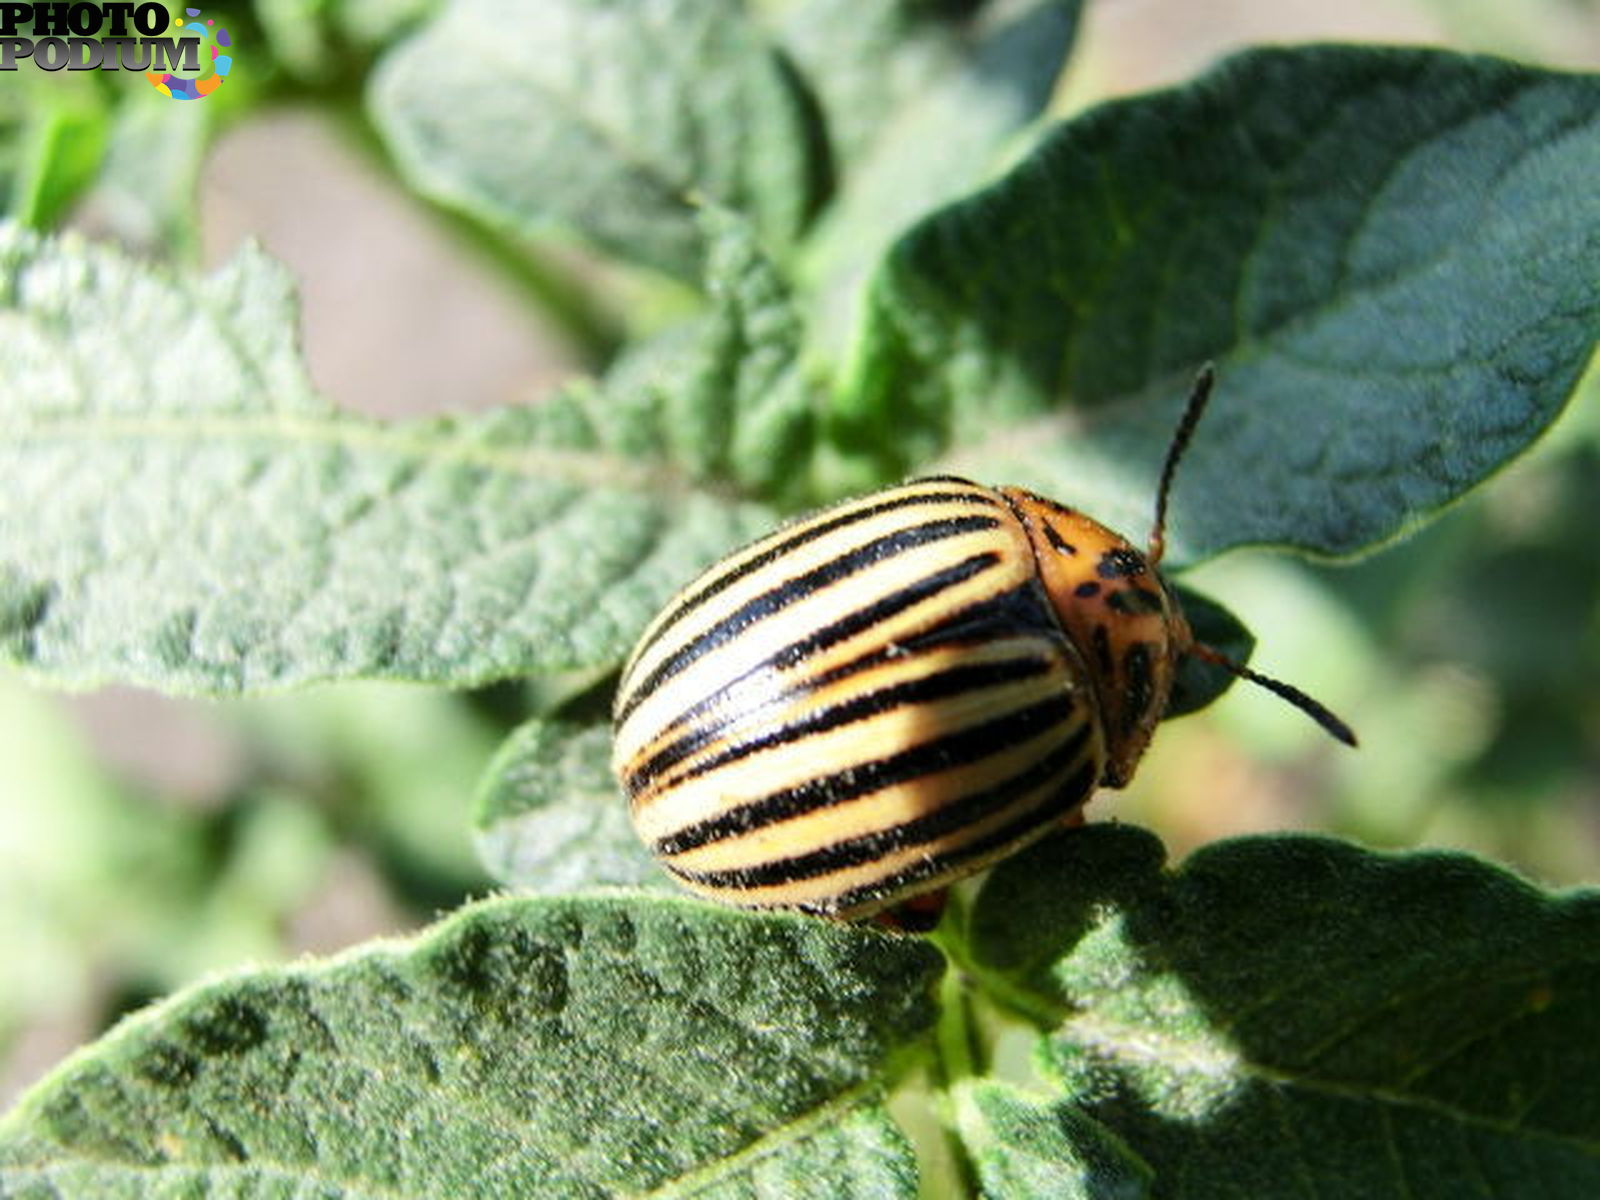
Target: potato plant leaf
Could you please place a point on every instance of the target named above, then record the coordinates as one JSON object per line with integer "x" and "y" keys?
{"x": 179, "y": 509}
{"x": 550, "y": 817}
{"x": 1390, "y": 254}
{"x": 1299, "y": 1009}
{"x": 582, "y": 1047}
{"x": 1198, "y": 683}
{"x": 607, "y": 119}
{"x": 1020, "y": 1146}
{"x": 920, "y": 101}
{"x": 734, "y": 403}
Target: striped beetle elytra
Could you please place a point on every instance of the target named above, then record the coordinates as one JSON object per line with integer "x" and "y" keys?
{"x": 895, "y": 692}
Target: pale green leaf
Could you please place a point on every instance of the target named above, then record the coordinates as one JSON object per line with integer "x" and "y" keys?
{"x": 1390, "y": 254}
{"x": 146, "y": 193}
{"x": 550, "y": 817}
{"x": 181, "y": 510}
{"x": 1022, "y": 1147}
{"x": 920, "y": 104}
{"x": 609, "y": 119}
{"x": 551, "y": 1048}
{"x": 1297, "y": 1013}
{"x": 733, "y": 401}
{"x": 315, "y": 38}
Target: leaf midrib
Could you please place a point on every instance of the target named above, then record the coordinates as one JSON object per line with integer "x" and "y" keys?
{"x": 587, "y": 468}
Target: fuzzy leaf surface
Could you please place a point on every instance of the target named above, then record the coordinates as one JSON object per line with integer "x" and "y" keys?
{"x": 1389, "y": 254}
{"x": 605, "y": 118}
{"x": 920, "y": 103}
{"x": 550, "y": 817}
{"x": 1299, "y": 1009}
{"x": 585, "y": 1047}
{"x": 1020, "y": 1147}
{"x": 181, "y": 510}
{"x": 733, "y": 401}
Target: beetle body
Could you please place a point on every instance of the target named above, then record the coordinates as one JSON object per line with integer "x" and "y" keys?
{"x": 898, "y": 691}
{"x": 890, "y": 695}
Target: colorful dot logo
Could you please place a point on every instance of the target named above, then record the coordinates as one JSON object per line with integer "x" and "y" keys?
{"x": 216, "y": 59}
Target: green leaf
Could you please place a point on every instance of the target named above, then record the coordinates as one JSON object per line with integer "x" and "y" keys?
{"x": 146, "y": 193}
{"x": 581, "y": 1047}
{"x": 550, "y": 817}
{"x": 605, "y": 118}
{"x": 734, "y": 402}
{"x": 1022, "y": 1147}
{"x": 313, "y": 39}
{"x": 53, "y": 132}
{"x": 1197, "y": 683}
{"x": 180, "y": 510}
{"x": 920, "y": 102}
{"x": 1298, "y": 1009}
{"x": 1390, "y": 254}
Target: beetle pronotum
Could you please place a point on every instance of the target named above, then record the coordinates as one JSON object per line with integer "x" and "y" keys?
{"x": 897, "y": 691}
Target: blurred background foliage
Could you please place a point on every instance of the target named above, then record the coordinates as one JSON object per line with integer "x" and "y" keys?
{"x": 146, "y": 840}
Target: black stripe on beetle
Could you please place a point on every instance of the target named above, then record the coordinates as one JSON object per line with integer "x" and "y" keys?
{"x": 726, "y": 700}
{"x": 776, "y": 599}
{"x": 959, "y": 748}
{"x": 966, "y": 810}
{"x": 808, "y": 533}
{"x": 1016, "y": 832}
{"x": 944, "y": 685}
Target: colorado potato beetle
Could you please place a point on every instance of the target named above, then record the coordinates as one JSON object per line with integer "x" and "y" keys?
{"x": 898, "y": 691}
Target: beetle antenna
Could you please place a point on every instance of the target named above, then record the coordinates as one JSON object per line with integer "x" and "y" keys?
{"x": 1198, "y": 395}
{"x": 1312, "y": 708}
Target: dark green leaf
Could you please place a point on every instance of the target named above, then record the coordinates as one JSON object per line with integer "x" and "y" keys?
{"x": 521, "y": 1048}
{"x": 1390, "y": 254}
{"x": 550, "y": 817}
{"x": 180, "y": 510}
{"x": 609, "y": 119}
{"x": 1197, "y": 682}
{"x": 1021, "y": 1147}
{"x": 1297, "y": 1009}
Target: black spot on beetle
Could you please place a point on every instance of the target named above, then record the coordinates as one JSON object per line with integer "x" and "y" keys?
{"x": 1134, "y": 601}
{"x": 1120, "y": 564}
{"x": 1085, "y": 590}
{"x": 1102, "y": 649}
{"x": 1141, "y": 687}
{"x": 1053, "y": 536}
